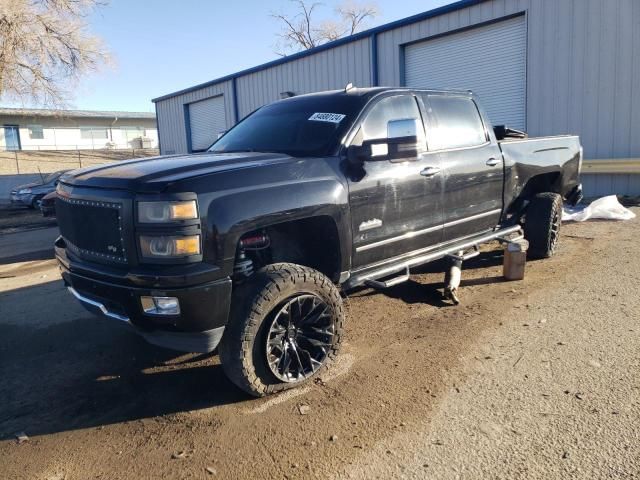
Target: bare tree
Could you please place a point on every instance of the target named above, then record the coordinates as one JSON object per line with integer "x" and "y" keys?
{"x": 303, "y": 30}
{"x": 45, "y": 47}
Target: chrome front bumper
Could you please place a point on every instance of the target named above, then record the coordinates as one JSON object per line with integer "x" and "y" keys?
{"x": 201, "y": 342}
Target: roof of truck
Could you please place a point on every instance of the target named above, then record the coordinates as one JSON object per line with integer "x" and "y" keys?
{"x": 369, "y": 92}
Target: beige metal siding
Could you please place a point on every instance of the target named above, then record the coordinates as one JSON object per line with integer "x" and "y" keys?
{"x": 171, "y": 119}
{"x": 327, "y": 70}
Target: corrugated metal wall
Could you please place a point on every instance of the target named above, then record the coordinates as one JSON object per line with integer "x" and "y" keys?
{"x": 327, "y": 70}
{"x": 583, "y": 61}
{"x": 467, "y": 60}
{"x": 171, "y": 119}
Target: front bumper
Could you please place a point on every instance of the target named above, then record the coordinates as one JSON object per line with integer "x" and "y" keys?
{"x": 24, "y": 199}
{"x": 204, "y": 307}
{"x": 202, "y": 342}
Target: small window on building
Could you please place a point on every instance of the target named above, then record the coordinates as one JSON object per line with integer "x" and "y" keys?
{"x": 36, "y": 132}
{"x": 458, "y": 125}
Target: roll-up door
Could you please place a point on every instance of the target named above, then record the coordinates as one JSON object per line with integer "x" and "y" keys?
{"x": 206, "y": 121}
{"x": 490, "y": 60}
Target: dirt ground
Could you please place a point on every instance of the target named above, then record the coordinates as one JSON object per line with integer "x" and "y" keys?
{"x": 18, "y": 218}
{"x": 532, "y": 379}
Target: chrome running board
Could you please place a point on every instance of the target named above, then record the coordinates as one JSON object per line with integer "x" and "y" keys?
{"x": 371, "y": 277}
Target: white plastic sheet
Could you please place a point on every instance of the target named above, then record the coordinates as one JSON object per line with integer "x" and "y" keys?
{"x": 605, "y": 208}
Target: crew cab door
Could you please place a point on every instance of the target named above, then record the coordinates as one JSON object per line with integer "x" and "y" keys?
{"x": 472, "y": 164}
{"x": 395, "y": 200}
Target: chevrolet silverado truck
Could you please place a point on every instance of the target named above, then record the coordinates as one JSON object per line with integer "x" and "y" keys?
{"x": 248, "y": 246}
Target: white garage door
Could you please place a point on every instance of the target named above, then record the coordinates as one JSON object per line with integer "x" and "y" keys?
{"x": 489, "y": 60}
{"x": 206, "y": 120}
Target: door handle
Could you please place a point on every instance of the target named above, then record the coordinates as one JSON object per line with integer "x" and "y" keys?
{"x": 492, "y": 162}
{"x": 430, "y": 171}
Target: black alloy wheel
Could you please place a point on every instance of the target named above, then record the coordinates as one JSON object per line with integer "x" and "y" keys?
{"x": 300, "y": 337}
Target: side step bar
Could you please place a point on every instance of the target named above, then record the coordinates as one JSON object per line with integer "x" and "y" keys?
{"x": 389, "y": 283}
{"x": 370, "y": 278}
{"x": 465, "y": 256}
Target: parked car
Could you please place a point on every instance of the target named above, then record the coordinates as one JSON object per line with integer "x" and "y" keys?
{"x": 30, "y": 194}
{"x": 247, "y": 246}
{"x": 48, "y": 204}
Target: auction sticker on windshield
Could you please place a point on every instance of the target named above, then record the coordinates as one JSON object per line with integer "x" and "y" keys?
{"x": 327, "y": 117}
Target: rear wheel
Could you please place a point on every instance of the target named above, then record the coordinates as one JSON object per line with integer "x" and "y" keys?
{"x": 285, "y": 327}
{"x": 542, "y": 224}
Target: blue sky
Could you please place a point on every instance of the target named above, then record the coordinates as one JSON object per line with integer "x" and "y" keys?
{"x": 165, "y": 45}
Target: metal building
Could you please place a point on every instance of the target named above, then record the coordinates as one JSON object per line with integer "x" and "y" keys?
{"x": 546, "y": 66}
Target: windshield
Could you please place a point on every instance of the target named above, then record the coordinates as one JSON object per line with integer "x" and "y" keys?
{"x": 52, "y": 176}
{"x": 302, "y": 126}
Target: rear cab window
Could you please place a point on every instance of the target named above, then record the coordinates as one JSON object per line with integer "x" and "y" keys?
{"x": 456, "y": 122}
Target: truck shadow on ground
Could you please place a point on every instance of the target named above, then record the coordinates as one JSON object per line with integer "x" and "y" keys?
{"x": 90, "y": 372}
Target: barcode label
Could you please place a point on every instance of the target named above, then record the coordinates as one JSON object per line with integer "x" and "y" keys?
{"x": 327, "y": 117}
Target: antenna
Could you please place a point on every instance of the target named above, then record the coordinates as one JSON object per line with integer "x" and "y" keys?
{"x": 349, "y": 87}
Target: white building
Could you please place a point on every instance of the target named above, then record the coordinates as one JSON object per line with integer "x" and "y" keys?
{"x": 39, "y": 129}
{"x": 547, "y": 66}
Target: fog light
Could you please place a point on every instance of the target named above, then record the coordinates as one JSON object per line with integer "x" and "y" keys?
{"x": 160, "y": 305}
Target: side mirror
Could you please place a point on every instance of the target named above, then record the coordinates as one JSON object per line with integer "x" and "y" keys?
{"x": 502, "y": 132}
{"x": 399, "y": 148}
{"x": 402, "y": 148}
{"x": 401, "y": 144}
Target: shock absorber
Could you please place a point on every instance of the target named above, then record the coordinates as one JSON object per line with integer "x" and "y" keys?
{"x": 243, "y": 267}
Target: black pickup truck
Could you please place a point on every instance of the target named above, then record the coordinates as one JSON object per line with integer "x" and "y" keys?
{"x": 247, "y": 246}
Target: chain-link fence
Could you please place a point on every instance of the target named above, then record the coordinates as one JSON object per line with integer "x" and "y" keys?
{"x": 40, "y": 161}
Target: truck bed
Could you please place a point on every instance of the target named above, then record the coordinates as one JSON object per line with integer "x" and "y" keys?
{"x": 556, "y": 160}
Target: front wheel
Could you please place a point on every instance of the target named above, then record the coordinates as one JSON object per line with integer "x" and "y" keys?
{"x": 285, "y": 327}
{"x": 35, "y": 203}
{"x": 542, "y": 224}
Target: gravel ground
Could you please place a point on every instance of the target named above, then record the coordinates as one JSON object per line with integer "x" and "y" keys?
{"x": 530, "y": 379}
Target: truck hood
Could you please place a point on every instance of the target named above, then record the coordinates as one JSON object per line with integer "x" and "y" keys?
{"x": 155, "y": 174}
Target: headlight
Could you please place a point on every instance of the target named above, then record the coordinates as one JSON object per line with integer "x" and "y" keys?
{"x": 24, "y": 191}
{"x": 169, "y": 247}
{"x": 162, "y": 212}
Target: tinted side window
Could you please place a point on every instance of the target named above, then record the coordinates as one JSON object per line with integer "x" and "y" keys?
{"x": 458, "y": 123}
{"x": 390, "y": 108}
